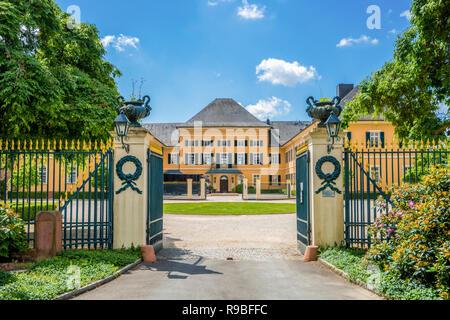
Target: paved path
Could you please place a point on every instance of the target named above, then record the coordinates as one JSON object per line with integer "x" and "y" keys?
{"x": 187, "y": 275}
{"x": 195, "y": 264}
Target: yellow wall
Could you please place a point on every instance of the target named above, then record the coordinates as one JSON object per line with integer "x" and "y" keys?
{"x": 389, "y": 172}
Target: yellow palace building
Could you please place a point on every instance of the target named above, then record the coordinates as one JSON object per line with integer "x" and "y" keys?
{"x": 225, "y": 144}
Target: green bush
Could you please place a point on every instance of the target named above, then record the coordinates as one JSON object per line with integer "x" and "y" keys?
{"x": 26, "y": 211}
{"x": 237, "y": 189}
{"x": 2, "y": 187}
{"x": 353, "y": 262}
{"x": 417, "y": 228}
{"x": 273, "y": 191}
{"x": 13, "y": 238}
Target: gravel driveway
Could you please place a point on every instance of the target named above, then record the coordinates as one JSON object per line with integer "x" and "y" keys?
{"x": 274, "y": 231}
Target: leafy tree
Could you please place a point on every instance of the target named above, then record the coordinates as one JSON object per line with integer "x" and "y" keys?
{"x": 54, "y": 80}
{"x": 409, "y": 90}
{"x": 26, "y": 175}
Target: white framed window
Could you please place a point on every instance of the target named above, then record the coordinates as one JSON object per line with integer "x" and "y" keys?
{"x": 255, "y": 178}
{"x": 374, "y": 137}
{"x": 240, "y": 143}
{"x": 241, "y": 159}
{"x": 289, "y": 156}
{"x": 257, "y": 158}
{"x": 43, "y": 173}
{"x": 191, "y": 143}
{"x": 275, "y": 158}
{"x": 375, "y": 173}
{"x": 207, "y": 158}
{"x": 223, "y": 159}
{"x": 224, "y": 143}
{"x": 190, "y": 158}
{"x": 174, "y": 158}
{"x": 256, "y": 143}
{"x": 207, "y": 143}
{"x": 71, "y": 175}
{"x": 276, "y": 180}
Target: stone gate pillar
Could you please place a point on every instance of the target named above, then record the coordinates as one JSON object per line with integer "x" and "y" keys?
{"x": 326, "y": 195}
{"x": 245, "y": 189}
{"x": 130, "y": 196}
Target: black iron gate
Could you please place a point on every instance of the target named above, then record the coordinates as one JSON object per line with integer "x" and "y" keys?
{"x": 303, "y": 196}
{"x": 155, "y": 180}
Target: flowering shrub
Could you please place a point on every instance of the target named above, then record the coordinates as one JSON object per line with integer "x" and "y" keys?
{"x": 417, "y": 227}
{"x": 13, "y": 238}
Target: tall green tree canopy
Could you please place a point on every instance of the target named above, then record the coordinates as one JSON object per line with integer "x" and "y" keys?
{"x": 54, "y": 79}
{"x": 410, "y": 89}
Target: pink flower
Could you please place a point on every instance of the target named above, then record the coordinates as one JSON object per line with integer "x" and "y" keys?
{"x": 399, "y": 214}
{"x": 389, "y": 230}
{"x": 411, "y": 204}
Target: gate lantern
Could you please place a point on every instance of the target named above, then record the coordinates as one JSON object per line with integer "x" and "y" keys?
{"x": 122, "y": 125}
{"x": 333, "y": 126}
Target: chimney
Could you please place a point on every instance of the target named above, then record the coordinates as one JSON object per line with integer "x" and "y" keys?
{"x": 344, "y": 89}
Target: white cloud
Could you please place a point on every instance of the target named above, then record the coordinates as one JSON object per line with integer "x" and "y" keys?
{"x": 285, "y": 73}
{"x": 393, "y": 31}
{"x": 406, "y": 14}
{"x": 251, "y": 11}
{"x": 270, "y": 108}
{"x": 106, "y": 41}
{"x": 348, "y": 42}
{"x": 120, "y": 42}
{"x": 214, "y": 3}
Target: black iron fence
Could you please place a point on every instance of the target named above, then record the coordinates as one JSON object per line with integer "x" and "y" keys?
{"x": 370, "y": 173}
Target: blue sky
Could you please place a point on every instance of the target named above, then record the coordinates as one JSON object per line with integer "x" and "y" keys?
{"x": 267, "y": 55}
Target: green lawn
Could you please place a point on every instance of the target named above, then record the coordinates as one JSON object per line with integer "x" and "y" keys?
{"x": 47, "y": 279}
{"x": 228, "y": 208}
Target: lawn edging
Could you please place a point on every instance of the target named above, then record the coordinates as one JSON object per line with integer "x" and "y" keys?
{"x": 94, "y": 285}
{"x": 344, "y": 275}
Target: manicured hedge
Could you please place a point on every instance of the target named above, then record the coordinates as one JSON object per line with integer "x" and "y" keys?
{"x": 273, "y": 191}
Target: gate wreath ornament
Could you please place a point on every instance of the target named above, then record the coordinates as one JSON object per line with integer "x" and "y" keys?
{"x": 329, "y": 178}
{"x": 129, "y": 179}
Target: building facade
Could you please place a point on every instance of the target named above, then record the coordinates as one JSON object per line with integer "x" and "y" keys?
{"x": 225, "y": 144}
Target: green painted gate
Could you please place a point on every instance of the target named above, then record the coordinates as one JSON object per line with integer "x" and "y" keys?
{"x": 71, "y": 177}
{"x": 155, "y": 180}
{"x": 303, "y": 205}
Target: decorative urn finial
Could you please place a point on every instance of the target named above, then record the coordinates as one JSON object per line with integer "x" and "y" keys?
{"x": 321, "y": 110}
{"x": 134, "y": 110}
